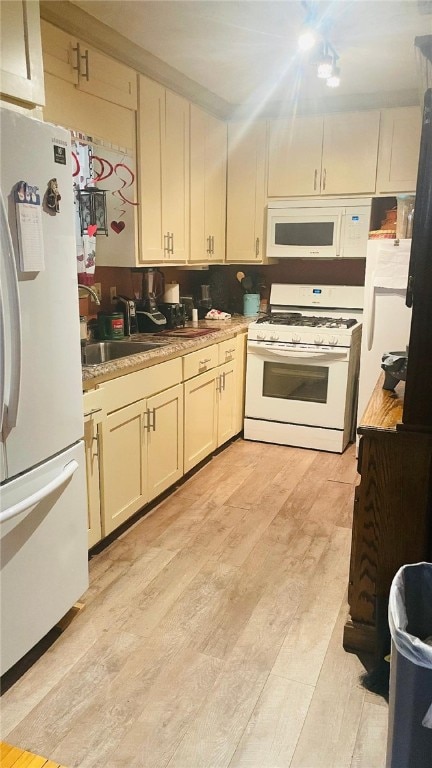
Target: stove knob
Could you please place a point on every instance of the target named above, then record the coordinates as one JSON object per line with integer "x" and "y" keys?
{"x": 296, "y": 339}
{"x": 319, "y": 340}
{"x": 261, "y": 336}
{"x": 333, "y": 341}
{"x": 274, "y": 337}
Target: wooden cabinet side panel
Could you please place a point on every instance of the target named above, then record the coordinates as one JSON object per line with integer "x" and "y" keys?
{"x": 392, "y": 518}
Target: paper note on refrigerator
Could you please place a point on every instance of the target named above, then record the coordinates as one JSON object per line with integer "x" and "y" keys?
{"x": 29, "y": 226}
{"x": 391, "y": 269}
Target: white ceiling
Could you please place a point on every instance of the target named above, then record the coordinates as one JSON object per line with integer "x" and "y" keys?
{"x": 246, "y": 51}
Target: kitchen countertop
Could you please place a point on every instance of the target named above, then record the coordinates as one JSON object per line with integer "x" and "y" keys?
{"x": 221, "y": 330}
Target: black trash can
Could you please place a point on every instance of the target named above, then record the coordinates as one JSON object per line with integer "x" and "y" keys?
{"x": 409, "y": 743}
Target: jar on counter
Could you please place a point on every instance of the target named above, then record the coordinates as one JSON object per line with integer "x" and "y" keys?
{"x": 83, "y": 328}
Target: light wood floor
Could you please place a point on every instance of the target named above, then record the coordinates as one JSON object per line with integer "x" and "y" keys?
{"x": 212, "y": 632}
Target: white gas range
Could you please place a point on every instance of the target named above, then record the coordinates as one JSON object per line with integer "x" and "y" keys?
{"x": 302, "y": 367}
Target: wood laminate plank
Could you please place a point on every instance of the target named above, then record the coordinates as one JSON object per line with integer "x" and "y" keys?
{"x": 330, "y": 729}
{"x": 384, "y": 409}
{"x": 304, "y": 648}
{"x": 273, "y": 730}
{"x": 371, "y": 742}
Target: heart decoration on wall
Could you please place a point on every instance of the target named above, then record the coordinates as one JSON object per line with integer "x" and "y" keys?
{"x": 117, "y": 226}
{"x": 91, "y": 229}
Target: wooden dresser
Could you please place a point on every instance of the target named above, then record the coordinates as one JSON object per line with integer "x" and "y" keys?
{"x": 392, "y": 515}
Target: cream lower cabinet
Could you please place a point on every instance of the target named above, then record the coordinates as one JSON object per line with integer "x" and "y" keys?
{"x": 93, "y": 417}
{"x": 142, "y": 454}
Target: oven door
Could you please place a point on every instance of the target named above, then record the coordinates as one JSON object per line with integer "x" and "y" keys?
{"x": 307, "y": 388}
{"x": 299, "y": 233}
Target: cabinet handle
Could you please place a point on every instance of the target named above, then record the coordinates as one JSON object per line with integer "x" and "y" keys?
{"x": 212, "y": 244}
{"x": 78, "y": 58}
{"x": 154, "y": 420}
{"x": 315, "y": 179}
{"x": 206, "y": 360}
{"x": 223, "y": 380}
{"x": 93, "y": 410}
{"x": 229, "y": 352}
{"x": 219, "y": 383}
{"x": 208, "y": 250}
{"x": 324, "y": 178}
{"x": 166, "y": 244}
{"x": 257, "y": 247}
{"x": 146, "y": 421}
{"x": 85, "y": 57}
{"x": 96, "y": 439}
{"x": 172, "y": 243}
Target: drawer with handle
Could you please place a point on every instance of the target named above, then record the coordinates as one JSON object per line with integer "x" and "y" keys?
{"x": 200, "y": 361}
{"x": 227, "y": 350}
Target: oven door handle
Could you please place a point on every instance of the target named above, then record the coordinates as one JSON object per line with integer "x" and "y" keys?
{"x": 293, "y": 354}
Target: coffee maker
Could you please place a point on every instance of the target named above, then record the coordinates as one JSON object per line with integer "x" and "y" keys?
{"x": 149, "y": 318}
{"x": 128, "y": 309}
{"x": 174, "y": 313}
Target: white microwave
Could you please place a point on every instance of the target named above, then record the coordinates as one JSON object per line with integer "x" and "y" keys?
{"x": 329, "y": 229}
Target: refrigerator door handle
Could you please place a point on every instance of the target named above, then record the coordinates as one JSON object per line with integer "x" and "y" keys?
{"x": 371, "y": 314}
{"x": 7, "y": 251}
{"x": 42, "y": 493}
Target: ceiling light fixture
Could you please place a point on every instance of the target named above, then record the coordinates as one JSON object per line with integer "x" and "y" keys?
{"x": 309, "y": 33}
{"x": 325, "y": 67}
{"x": 334, "y": 80}
{"x": 307, "y": 39}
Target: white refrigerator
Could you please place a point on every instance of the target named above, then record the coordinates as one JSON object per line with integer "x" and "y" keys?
{"x": 43, "y": 505}
{"x": 386, "y": 318}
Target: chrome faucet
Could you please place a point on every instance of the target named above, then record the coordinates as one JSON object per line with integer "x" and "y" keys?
{"x": 90, "y": 291}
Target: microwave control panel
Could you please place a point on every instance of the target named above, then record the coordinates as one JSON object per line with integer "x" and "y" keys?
{"x": 355, "y": 232}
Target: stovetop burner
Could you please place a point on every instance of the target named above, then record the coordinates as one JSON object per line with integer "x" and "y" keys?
{"x": 296, "y": 318}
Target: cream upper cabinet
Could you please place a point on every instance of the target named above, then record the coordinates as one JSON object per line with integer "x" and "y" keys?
{"x": 331, "y": 155}
{"x": 21, "y": 68}
{"x": 88, "y": 69}
{"x": 163, "y": 167}
{"x": 208, "y": 140}
{"x": 399, "y": 147}
{"x": 246, "y": 180}
{"x": 294, "y": 160}
{"x": 350, "y": 149}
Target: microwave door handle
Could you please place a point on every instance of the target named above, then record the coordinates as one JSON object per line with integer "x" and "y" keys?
{"x": 341, "y": 221}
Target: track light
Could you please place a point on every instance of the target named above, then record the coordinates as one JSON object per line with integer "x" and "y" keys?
{"x": 307, "y": 39}
{"x": 325, "y": 63}
{"x": 334, "y": 80}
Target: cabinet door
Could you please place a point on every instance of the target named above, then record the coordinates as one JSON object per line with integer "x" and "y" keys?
{"x": 199, "y": 244}
{"x": 350, "y": 150}
{"x": 124, "y": 484}
{"x": 107, "y": 78}
{"x": 164, "y": 440}
{"x": 200, "y": 418}
{"x": 151, "y": 122}
{"x": 60, "y": 53}
{"x": 295, "y": 149}
{"x": 91, "y": 444}
{"x": 241, "y": 342}
{"x": 215, "y": 187}
{"x": 175, "y": 179}
{"x": 21, "y": 72}
{"x": 399, "y": 147}
{"x": 246, "y": 191}
{"x": 226, "y": 391}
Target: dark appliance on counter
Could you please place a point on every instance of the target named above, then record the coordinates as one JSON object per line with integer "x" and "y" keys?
{"x": 128, "y": 308}
{"x": 394, "y": 364}
{"x": 149, "y": 318}
{"x": 175, "y": 314}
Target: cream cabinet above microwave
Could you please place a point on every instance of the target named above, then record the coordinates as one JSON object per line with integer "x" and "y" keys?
{"x": 306, "y": 229}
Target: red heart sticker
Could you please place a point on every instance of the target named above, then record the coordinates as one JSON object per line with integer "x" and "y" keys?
{"x": 91, "y": 229}
{"x": 117, "y": 226}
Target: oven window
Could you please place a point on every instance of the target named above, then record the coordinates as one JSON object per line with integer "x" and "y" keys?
{"x": 310, "y": 233}
{"x": 308, "y": 383}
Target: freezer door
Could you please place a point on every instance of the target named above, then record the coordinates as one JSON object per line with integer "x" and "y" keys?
{"x": 43, "y": 551}
{"x": 43, "y": 337}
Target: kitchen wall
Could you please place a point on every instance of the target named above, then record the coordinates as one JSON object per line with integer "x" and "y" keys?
{"x": 223, "y": 281}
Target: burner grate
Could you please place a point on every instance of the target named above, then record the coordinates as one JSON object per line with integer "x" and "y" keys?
{"x": 306, "y": 321}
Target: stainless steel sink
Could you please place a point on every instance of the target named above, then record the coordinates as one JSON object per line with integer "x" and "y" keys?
{"x": 99, "y": 352}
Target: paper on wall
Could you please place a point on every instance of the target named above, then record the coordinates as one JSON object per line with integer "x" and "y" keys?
{"x": 391, "y": 269}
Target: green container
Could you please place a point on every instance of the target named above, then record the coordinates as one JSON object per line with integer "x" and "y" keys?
{"x": 111, "y": 326}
